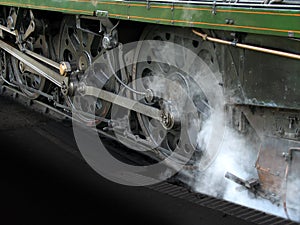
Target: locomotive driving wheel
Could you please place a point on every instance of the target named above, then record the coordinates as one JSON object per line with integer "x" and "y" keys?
{"x": 167, "y": 133}
{"x": 80, "y": 48}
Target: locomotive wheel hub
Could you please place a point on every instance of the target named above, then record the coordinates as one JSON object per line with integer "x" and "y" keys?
{"x": 84, "y": 61}
{"x": 167, "y": 120}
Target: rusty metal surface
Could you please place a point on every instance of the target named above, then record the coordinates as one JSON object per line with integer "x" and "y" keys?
{"x": 272, "y": 164}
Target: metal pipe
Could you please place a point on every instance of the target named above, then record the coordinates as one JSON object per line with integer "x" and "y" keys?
{"x": 120, "y": 81}
{"x": 7, "y": 82}
{"x": 205, "y": 37}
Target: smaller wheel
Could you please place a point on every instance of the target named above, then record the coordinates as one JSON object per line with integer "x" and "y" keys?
{"x": 30, "y": 83}
{"x": 81, "y": 49}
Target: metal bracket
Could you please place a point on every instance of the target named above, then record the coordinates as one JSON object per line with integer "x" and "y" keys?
{"x": 214, "y": 8}
{"x": 78, "y": 26}
{"x": 101, "y": 13}
{"x": 148, "y": 5}
{"x": 287, "y": 156}
{"x": 31, "y": 27}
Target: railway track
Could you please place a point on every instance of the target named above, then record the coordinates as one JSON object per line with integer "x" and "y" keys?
{"x": 228, "y": 208}
{"x": 171, "y": 187}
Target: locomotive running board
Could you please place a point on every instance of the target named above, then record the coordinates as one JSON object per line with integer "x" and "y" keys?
{"x": 35, "y": 65}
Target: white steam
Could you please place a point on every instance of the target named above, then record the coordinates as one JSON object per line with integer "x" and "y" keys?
{"x": 292, "y": 195}
{"x": 237, "y": 156}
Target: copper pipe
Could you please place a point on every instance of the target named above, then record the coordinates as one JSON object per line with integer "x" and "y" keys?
{"x": 205, "y": 37}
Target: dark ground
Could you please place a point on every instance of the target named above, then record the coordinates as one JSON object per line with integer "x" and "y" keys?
{"x": 44, "y": 181}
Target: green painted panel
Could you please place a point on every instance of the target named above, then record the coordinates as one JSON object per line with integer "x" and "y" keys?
{"x": 281, "y": 22}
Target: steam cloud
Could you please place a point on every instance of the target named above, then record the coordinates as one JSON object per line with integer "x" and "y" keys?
{"x": 237, "y": 156}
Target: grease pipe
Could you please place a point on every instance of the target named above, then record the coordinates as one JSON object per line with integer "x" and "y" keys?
{"x": 205, "y": 37}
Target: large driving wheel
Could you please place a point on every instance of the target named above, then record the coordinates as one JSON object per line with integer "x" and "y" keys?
{"x": 196, "y": 74}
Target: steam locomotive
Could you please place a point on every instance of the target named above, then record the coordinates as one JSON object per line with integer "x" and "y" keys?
{"x": 251, "y": 53}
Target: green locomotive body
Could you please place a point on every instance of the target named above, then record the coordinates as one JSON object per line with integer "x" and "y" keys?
{"x": 251, "y": 47}
{"x": 251, "y": 17}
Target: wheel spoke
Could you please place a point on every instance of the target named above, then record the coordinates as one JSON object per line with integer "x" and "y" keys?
{"x": 75, "y": 40}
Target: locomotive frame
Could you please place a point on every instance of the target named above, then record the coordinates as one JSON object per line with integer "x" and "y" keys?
{"x": 255, "y": 45}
